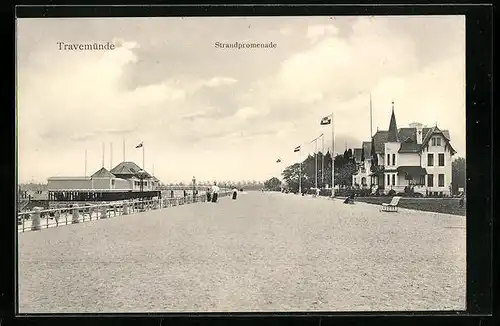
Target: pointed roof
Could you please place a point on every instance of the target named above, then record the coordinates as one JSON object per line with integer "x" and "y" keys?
{"x": 435, "y": 130}
{"x": 379, "y": 139}
{"x": 103, "y": 173}
{"x": 129, "y": 168}
{"x": 392, "y": 132}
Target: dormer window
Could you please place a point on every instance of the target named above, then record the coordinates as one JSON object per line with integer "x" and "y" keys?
{"x": 436, "y": 141}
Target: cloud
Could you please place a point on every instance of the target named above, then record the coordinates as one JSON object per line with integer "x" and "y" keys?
{"x": 314, "y": 32}
{"x": 249, "y": 112}
{"x": 187, "y": 101}
{"x": 219, "y": 81}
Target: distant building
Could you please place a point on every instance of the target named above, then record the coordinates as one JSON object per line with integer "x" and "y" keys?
{"x": 123, "y": 178}
{"x": 417, "y": 157}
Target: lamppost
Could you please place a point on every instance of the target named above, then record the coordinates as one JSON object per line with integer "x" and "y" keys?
{"x": 142, "y": 175}
{"x": 194, "y": 188}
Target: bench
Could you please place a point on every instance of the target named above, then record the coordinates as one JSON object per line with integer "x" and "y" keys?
{"x": 392, "y": 206}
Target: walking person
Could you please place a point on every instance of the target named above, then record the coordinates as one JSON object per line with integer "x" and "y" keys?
{"x": 235, "y": 193}
{"x": 462, "y": 200}
{"x": 215, "y": 192}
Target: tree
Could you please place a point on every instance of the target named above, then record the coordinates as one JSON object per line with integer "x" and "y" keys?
{"x": 458, "y": 174}
{"x": 344, "y": 169}
{"x": 273, "y": 184}
{"x": 328, "y": 169}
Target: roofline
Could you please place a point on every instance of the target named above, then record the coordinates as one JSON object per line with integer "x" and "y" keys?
{"x": 69, "y": 178}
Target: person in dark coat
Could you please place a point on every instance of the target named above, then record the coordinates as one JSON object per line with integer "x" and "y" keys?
{"x": 349, "y": 199}
{"x": 235, "y": 193}
{"x": 209, "y": 195}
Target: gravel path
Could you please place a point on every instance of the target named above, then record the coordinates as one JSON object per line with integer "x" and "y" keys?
{"x": 262, "y": 252}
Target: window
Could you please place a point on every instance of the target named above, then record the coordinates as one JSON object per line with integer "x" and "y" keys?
{"x": 430, "y": 180}
{"x": 441, "y": 159}
{"x": 430, "y": 159}
{"x": 436, "y": 141}
{"x": 441, "y": 180}
{"x": 388, "y": 159}
{"x": 422, "y": 180}
{"x": 393, "y": 179}
{"x": 393, "y": 159}
{"x": 388, "y": 180}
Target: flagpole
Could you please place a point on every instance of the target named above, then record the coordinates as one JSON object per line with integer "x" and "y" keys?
{"x": 110, "y": 156}
{"x": 103, "y": 150}
{"x": 124, "y": 150}
{"x": 323, "y": 160}
{"x": 300, "y": 171}
{"x": 316, "y": 163}
{"x": 371, "y": 117}
{"x": 85, "y": 163}
{"x": 143, "y": 166}
{"x": 333, "y": 156}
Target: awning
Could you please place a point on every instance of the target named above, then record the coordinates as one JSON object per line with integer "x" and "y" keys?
{"x": 413, "y": 171}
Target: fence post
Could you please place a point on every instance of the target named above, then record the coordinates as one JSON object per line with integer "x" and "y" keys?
{"x": 35, "y": 220}
{"x": 115, "y": 210}
{"x": 76, "y": 215}
{"x": 57, "y": 215}
{"x": 125, "y": 208}
{"x": 104, "y": 211}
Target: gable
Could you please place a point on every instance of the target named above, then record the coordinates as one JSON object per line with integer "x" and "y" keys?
{"x": 444, "y": 133}
{"x": 103, "y": 173}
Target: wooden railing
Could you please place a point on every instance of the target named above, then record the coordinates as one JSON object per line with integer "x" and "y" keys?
{"x": 38, "y": 219}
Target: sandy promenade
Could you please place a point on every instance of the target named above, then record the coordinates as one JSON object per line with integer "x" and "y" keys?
{"x": 262, "y": 252}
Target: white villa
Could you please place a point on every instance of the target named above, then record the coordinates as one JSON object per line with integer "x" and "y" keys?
{"x": 417, "y": 157}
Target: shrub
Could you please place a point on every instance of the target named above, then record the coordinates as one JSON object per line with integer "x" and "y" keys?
{"x": 325, "y": 192}
{"x": 391, "y": 192}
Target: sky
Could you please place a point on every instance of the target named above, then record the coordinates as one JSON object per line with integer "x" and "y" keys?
{"x": 227, "y": 114}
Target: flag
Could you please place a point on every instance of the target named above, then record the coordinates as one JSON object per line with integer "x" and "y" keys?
{"x": 278, "y": 160}
{"x": 326, "y": 120}
{"x": 297, "y": 149}
{"x": 139, "y": 146}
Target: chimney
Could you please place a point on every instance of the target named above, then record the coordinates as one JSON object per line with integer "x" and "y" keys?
{"x": 419, "y": 131}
